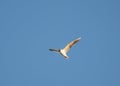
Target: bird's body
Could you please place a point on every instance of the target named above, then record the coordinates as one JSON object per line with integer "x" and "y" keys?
{"x": 64, "y": 51}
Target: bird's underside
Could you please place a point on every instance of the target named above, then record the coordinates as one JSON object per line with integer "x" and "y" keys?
{"x": 64, "y": 51}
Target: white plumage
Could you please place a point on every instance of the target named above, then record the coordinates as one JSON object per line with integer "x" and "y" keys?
{"x": 64, "y": 51}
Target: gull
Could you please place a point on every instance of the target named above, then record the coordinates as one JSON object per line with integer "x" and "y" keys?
{"x": 64, "y": 51}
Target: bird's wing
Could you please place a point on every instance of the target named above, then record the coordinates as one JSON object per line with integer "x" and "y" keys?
{"x": 54, "y": 50}
{"x": 69, "y": 45}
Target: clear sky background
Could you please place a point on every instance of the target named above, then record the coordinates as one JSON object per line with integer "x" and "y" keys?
{"x": 28, "y": 28}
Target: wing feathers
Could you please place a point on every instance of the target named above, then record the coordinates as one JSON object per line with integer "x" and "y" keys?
{"x": 68, "y": 46}
{"x": 54, "y": 50}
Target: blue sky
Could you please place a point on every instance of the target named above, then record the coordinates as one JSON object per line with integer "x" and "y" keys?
{"x": 28, "y": 28}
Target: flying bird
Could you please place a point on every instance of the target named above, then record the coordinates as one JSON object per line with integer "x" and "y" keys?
{"x": 64, "y": 51}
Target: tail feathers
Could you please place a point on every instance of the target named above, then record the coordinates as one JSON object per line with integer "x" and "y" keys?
{"x": 66, "y": 57}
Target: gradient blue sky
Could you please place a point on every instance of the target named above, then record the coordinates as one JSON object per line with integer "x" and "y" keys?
{"x": 28, "y": 28}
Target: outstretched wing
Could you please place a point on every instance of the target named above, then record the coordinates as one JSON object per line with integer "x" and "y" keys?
{"x": 68, "y": 46}
{"x": 54, "y": 50}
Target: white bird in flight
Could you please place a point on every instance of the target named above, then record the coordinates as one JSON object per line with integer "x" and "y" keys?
{"x": 64, "y": 51}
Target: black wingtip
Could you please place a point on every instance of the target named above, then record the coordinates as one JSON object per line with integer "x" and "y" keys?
{"x": 51, "y": 49}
